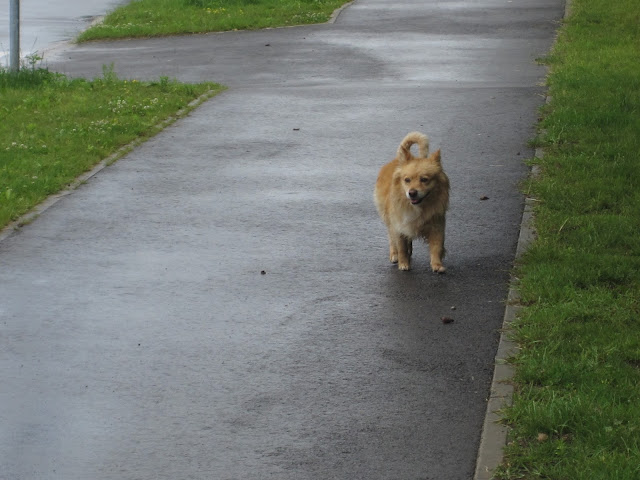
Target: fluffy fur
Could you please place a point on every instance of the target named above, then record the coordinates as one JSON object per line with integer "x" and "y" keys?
{"x": 412, "y": 197}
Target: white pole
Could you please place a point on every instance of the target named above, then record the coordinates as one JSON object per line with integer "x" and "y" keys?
{"x": 14, "y": 35}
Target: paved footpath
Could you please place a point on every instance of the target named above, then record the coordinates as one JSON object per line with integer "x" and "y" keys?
{"x": 140, "y": 338}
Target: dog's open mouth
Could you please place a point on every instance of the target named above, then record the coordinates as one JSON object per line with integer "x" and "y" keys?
{"x": 417, "y": 200}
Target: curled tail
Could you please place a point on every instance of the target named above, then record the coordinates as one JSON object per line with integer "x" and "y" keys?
{"x": 404, "y": 150}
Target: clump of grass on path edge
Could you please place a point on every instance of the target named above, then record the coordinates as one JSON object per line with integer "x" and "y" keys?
{"x": 147, "y": 18}
{"x": 576, "y": 411}
{"x": 52, "y": 129}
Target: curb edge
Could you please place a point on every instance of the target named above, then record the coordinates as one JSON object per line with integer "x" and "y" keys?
{"x": 494, "y": 434}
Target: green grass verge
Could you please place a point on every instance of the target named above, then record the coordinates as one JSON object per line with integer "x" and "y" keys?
{"x": 147, "y": 18}
{"x": 576, "y": 411}
{"x": 53, "y": 129}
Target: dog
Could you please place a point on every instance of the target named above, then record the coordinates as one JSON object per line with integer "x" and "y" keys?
{"x": 412, "y": 197}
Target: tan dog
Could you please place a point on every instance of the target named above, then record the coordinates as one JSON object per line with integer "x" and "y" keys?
{"x": 412, "y": 197}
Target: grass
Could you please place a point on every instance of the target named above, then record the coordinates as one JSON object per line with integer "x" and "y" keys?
{"x": 52, "y": 129}
{"x": 576, "y": 411}
{"x": 147, "y": 18}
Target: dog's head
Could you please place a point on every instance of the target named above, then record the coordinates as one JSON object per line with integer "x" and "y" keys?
{"x": 419, "y": 177}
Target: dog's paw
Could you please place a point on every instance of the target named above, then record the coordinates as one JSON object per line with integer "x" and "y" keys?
{"x": 404, "y": 266}
{"x": 438, "y": 268}
{"x": 393, "y": 258}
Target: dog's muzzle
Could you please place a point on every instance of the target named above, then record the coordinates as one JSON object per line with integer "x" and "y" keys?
{"x": 414, "y": 197}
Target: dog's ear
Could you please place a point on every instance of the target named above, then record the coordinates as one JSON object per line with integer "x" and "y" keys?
{"x": 404, "y": 154}
{"x": 435, "y": 156}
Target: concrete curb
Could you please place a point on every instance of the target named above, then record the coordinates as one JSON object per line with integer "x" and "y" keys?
{"x": 336, "y": 13}
{"x": 494, "y": 434}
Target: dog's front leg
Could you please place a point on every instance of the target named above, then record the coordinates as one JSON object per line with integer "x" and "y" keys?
{"x": 404, "y": 247}
{"x": 393, "y": 249}
{"x": 436, "y": 248}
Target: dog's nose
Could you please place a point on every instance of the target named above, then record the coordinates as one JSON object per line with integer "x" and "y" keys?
{"x": 413, "y": 193}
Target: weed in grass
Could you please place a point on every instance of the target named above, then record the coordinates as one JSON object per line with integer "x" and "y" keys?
{"x": 53, "y": 128}
{"x": 28, "y": 76}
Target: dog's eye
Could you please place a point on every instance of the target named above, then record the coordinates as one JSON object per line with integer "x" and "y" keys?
{"x": 407, "y": 180}
{"x": 424, "y": 179}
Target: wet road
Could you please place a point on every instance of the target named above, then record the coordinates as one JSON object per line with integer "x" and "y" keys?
{"x": 140, "y": 338}
{"x": 45, "y": 25}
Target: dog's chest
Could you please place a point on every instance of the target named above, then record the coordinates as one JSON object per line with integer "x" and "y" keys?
{"x": 411, "y": 216}
{"x": 410, "y": 223}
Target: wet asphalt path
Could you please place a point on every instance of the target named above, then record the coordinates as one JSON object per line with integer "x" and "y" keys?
{"x": 140, "y": 338}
